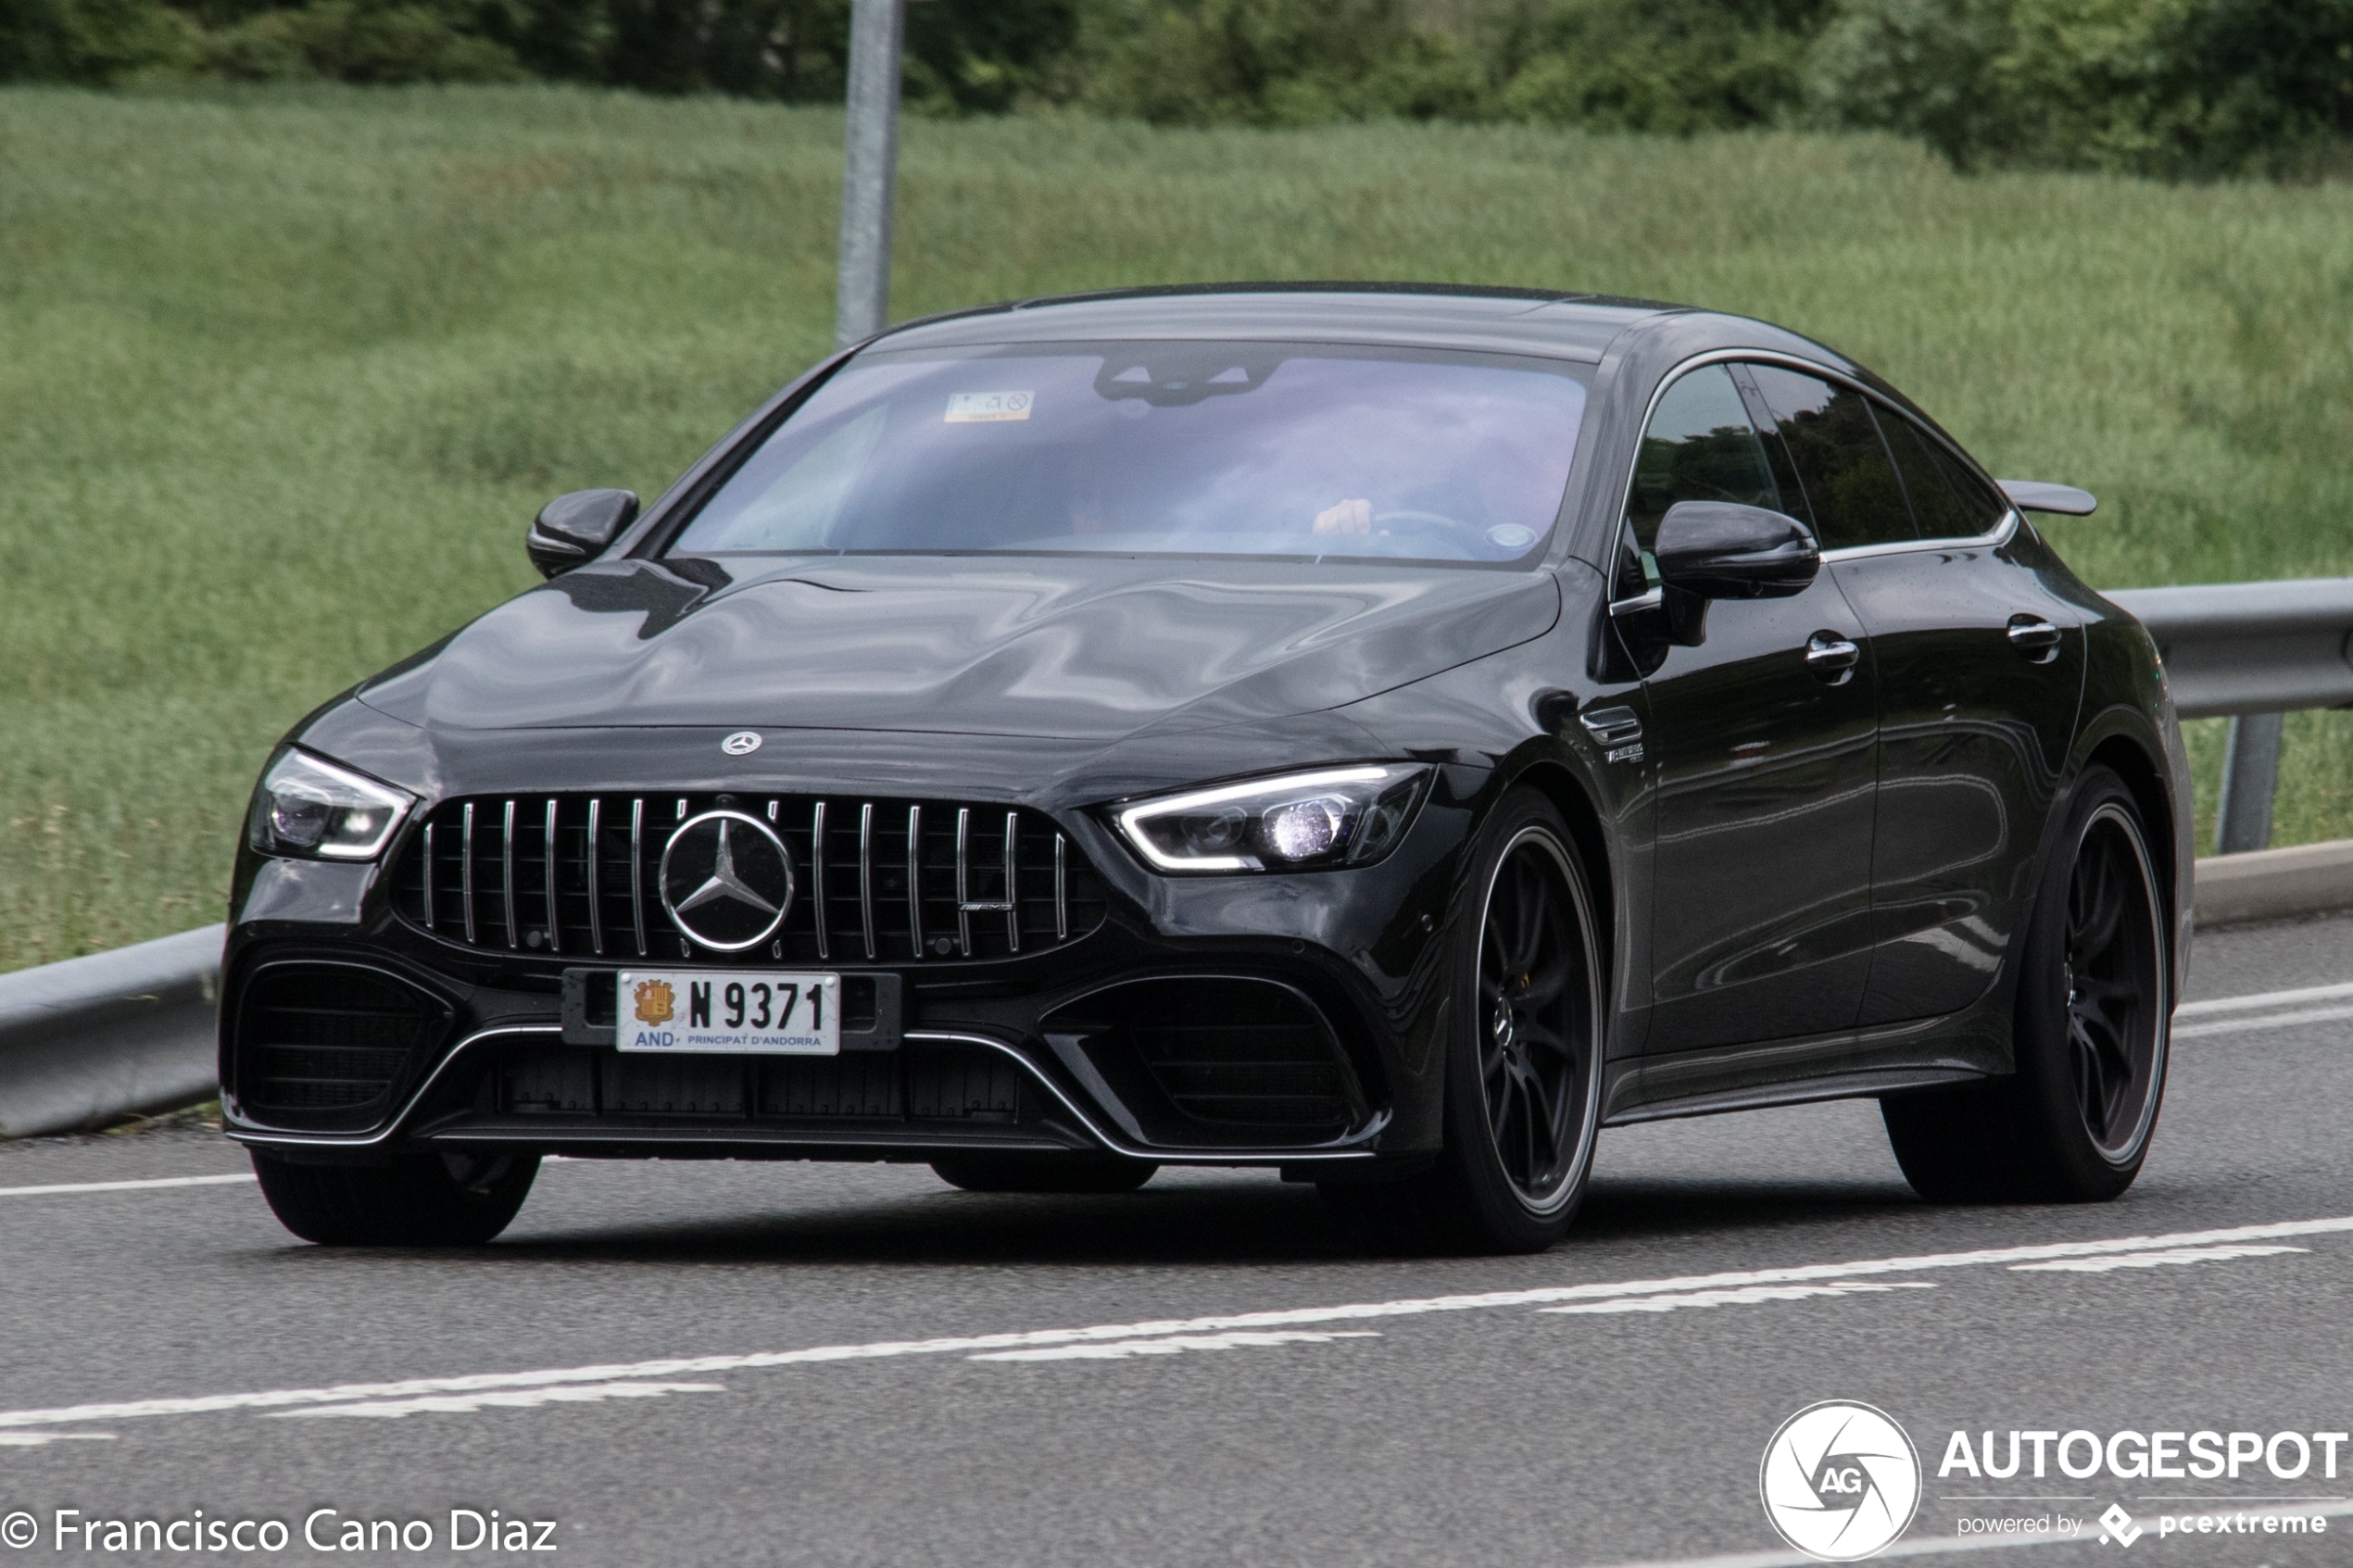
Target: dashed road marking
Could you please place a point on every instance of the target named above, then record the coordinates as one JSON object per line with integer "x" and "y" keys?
{"x": 1741, "y": 1297}
{"x": 2156, "y": 1260}
{"x": 126, "y": 1186}
{"x": 506, "y": 1398}
{"x": 1298, "y": 1317}
{"x": 1175, "y": 1344}
{"x": 2264, "y": 1000}
{"x": 2232, "y": 1015}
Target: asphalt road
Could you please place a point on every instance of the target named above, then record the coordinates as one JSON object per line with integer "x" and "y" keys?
{"x": 680, "y": 1424}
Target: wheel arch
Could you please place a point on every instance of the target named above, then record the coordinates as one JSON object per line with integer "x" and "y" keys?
{"x": 1557, "y": 783}
{"x": 2126, "y": 758}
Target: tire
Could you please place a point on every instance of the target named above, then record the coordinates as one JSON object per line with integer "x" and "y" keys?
{"x": 1524, "y": 1032}
{"x": 1044, "y": 1172}
{"x": 419, "y": 1200}
{"x": 2073, "y": 1123}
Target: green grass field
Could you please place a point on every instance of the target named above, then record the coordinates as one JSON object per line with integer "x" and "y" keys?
{"x": 283, "y": 374}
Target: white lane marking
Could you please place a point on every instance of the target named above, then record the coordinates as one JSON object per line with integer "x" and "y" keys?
{"x": 126, "y": 1186}
{"x": 510, "y": 1398}
{"x": 2151, "y": 1259}
{"x": 1944, "y": 1546}
{"x": 2267, "y": 1021}
{"x": 42, "y": 1439}
{"x": 1174, "y": 1345}
{"x": 1740, "y": 1297}
{"x": 687, "y": 1366}
{"x": 2264, "y": 1000}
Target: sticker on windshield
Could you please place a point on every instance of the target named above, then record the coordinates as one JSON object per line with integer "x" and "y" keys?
{"x": 987, "y": 407}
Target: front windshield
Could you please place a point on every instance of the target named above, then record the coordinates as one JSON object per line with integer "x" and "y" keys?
{"x": 1163, "y": 448}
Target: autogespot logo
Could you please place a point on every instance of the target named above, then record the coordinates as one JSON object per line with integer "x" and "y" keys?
{"x": 1840, "y": 1481}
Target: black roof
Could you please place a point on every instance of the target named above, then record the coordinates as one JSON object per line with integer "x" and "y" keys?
{"x": 1523, "y": 321}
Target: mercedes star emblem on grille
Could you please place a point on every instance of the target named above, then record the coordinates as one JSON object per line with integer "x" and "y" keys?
{"x": 726, "y": 880}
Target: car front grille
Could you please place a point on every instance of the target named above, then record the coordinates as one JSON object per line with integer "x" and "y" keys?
{"x": 325, "y": 1045}
{"x": 580, "y": 876}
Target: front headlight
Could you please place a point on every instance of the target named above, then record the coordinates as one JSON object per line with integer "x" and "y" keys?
{"x": 312, "y": 809}
{"x": 1299, "y": 822}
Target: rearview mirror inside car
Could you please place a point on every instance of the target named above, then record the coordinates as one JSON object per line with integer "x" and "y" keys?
{"x": 575, "y": 527}
{"x": 1724, "y": 550}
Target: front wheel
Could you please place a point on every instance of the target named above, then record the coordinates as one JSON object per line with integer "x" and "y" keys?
{"x": 1524, "y": 1033}
{"x": 2094, "y": 1003}
{"x": 431, "y": 1199}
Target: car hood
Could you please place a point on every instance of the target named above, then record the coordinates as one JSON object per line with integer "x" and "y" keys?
{"x": 1077, "y": 649}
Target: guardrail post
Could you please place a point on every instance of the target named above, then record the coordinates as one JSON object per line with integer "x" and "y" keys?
{"x": 870, "y": 169}
{"x": 2250, "y": 780}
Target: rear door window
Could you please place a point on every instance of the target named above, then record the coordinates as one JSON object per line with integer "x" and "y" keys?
{"x": 1947, "y": 500}
{"x": 1841, "y": 464}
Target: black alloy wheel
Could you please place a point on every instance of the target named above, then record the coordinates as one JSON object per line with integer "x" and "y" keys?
{"x": 1524, "y": 1034}
{"x": 2093, "y": 1017}
{"x": 2115, "y": 982}
{"x": 1534, "y": 1058}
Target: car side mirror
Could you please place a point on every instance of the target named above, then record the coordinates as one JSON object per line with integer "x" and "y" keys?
{"x": 575, "y": 528}
{"x": 1724, "y": 550}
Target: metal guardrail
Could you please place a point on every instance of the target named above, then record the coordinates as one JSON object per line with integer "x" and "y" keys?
{"x": 2251, "y": 652}
{"x": 90, "y": 1040}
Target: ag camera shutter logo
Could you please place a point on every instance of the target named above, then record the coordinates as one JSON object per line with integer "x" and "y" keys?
{"x": 1840, "y": 1481}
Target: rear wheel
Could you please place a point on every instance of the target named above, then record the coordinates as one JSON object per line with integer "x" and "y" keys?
{"x": 2072, "y": 1124}
{"x": 1523, "y": 1055}
{"x": 1044, "y": 1172}
{"x": 418, "y": 1200}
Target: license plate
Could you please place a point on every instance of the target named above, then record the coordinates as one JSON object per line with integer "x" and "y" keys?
{"x": 760, "y": 1012}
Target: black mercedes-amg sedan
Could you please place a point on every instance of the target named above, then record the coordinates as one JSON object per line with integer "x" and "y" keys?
{"x": 1383, "y": 733}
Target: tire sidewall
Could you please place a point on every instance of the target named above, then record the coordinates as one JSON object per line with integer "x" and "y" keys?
{"x": 1474, "y": 1169}
{"x": 2045, "y": 1076}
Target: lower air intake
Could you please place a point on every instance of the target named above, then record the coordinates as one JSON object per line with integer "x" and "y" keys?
{"x": 328, "y": 1047}
{"x": 1219, "y": 1059}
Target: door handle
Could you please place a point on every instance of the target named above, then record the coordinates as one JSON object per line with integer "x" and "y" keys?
{"x": 1831, "y": 657}
{"x": 2035, "y": 637}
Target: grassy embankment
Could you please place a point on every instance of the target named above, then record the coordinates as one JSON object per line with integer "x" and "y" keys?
{"x": 283, "y": 374}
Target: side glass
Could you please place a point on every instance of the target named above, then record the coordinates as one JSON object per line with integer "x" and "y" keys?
{"x": 1842, "y": 462}
{"x": 1700, "y": 447}
{"x": 1946, "y": 498}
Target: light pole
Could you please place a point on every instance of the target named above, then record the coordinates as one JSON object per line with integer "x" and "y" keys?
{"x": 870, "y": 169}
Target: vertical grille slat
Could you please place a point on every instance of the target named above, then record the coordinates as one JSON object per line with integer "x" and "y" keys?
{"x": 916, "y": 878}
{"x": 551, "y": 875}
{"x": 595, "y": 898}
{"x": 507, "y": 875}
{"x": 817, "y": 875}
{"x": 866, "y": 875}
{"x": 638, "y": 870}
{"x": 964, "y": 881}
{"x": 466, "y": 876}
{"x": 555, "y": 920}
{"x": 1013, "y": 881}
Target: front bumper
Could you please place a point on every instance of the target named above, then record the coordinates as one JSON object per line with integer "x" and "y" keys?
{"x": 1264, "y": 1020}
